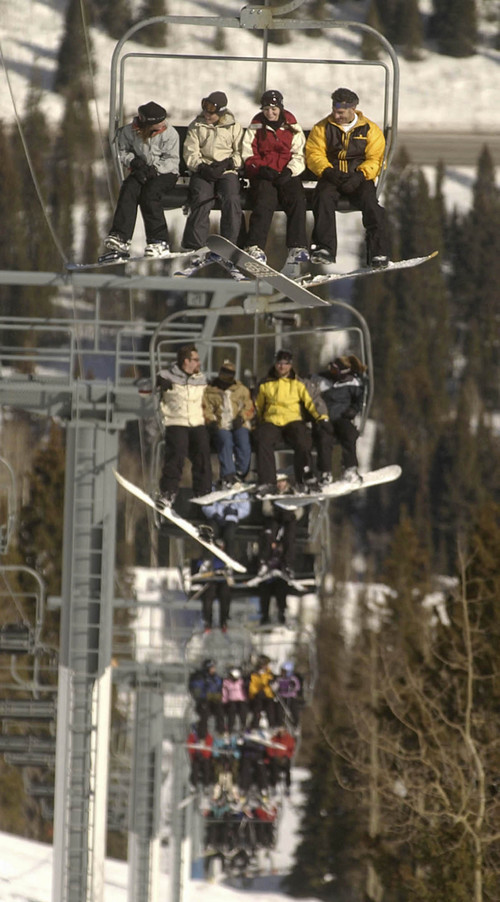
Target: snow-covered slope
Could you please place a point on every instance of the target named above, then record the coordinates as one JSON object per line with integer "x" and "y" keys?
{"x": 26, "y": 868}
{"x": 439, "y": 90}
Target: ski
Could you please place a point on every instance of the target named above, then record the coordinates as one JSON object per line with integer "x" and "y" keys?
{"x": 223, "y": 494}
{"x": 258, "y": 270}
{"x": 340, "y": 487}
{"x": 183, "y": 524}
{"x": 311, "y": 281}
{"x": 113, "y": 259}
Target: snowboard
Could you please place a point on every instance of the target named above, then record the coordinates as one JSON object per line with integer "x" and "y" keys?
{"x": 296, "y": 291}
{"x": 112, "y": 260}
{"x": 258, "y": 270}
{"x": 340, "y": 487}
{"x": 311, "y": 281}
{"x": 301, "y": 585}
{"x": 209, "y": 260}
{"x": 183, "y": 524}
{"x": 223, "y": 494}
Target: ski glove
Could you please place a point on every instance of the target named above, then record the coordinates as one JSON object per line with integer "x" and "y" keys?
{"x": 213, "y": 171}
{"x": 326, "y": 426}
{"x": 352, "y": 182}
{"x": 139, "y": 169}
{"x": 284, "y": 176}
{"x": 238, "y": 422}
{"x": 163, "y": 384}
{"x": 334, "y": 176}
{"x": 212, "y": 430}
{"x": 206, "y": 172}
{"x": 268, "y": 173}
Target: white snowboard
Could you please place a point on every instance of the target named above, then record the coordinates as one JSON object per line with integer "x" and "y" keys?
{"x": 223, "y": 494}
{"x": 183, "y": 524}
{"x": 340, "y": 487}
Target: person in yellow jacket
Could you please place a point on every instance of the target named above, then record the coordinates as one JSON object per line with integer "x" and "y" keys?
{"x": 345, "y": 150}
{"x": 261, "y": 693}
{"x": 283, "y": 401}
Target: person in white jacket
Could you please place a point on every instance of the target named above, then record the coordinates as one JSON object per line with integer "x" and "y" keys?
{"x": 182, "y": 386}
{"x": 212, "y": 153}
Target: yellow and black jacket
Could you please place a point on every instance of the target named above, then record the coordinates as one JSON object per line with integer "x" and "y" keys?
{"x": 362, "y": 147}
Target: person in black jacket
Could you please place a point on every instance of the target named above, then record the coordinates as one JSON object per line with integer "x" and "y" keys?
{"x": 341, "y": 387}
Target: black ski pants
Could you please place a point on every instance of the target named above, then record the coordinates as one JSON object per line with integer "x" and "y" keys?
{"x": 268, "y": 436}
{"x": 273, "y": 588}
{"x": 265, "y": 198}
{"x": 283, "y": 528}
{"x": 216, "y": 590}
{"x": 202, "y": 197}
{"x": 181, "y": 442}
{"x": 346, "y": 434}
{"x": 325, "y": 200}
{"x": 151, "y": 198}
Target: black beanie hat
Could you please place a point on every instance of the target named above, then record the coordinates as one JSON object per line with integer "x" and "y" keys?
{"x": 218, "y": 98}
{"x": 274, "y": 98}
{"x": 227, "y": 372}
{"x": 152, "y": 113}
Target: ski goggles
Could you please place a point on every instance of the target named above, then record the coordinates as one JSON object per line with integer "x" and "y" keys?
{"x": 209, "y": 107}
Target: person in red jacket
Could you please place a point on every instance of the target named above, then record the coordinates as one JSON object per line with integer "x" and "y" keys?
{"x": 280, "y": 755}
{"x": 274, "y": 157}
{"x": 200, "y": 754}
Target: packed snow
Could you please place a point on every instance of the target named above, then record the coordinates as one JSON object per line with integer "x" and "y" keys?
{"x": 26, "y": 868}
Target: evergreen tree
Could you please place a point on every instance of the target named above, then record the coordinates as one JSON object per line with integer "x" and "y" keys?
{"x": 91, "y": 239}
{"x": 115, "y": 16}
{"x": 153, "y": 35}
{"x": 36, "y": 244}
{"x": 332, "y": 822}
{"x": 220, "y": 40}
{"x": 40, "y": 529}
{"x": 370, "y": 47}
{"x": 73, "y": 63}
{"x": 454, "y": 26}
{"x": 476, "y": 268}
{"x": 13, "y": 251}
{"x": 317, "y": 10}
{"x": 408, "y": 29}
{"x": 388, "y": 14}
{"x": 409, "y": 318}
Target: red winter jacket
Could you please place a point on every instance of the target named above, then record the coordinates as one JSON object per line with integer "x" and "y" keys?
{"x": 287, "y": 743}
{"x": 278, "y": 148}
